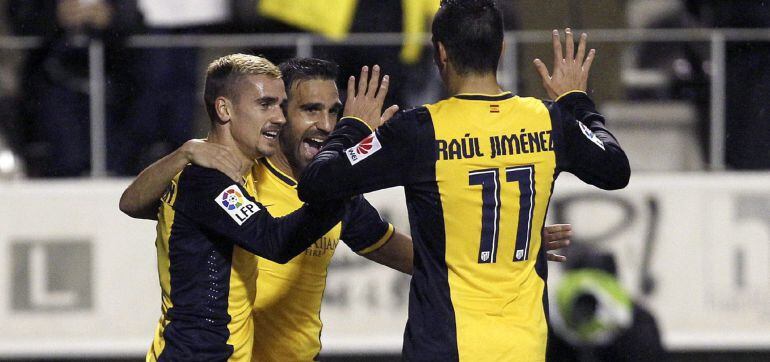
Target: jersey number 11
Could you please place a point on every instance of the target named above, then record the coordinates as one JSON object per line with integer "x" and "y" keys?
{"x": 489, "y": 179}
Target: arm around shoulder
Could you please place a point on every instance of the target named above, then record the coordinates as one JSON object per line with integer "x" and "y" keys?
{"x": 142, "y": 198}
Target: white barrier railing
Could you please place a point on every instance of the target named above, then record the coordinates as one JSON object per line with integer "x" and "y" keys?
{"x": 303, "y": 43}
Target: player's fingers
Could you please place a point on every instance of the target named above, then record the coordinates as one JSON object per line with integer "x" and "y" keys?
{"x": 557, "y": 244}
{"x": 351, "y": 88}
{"x": 220, "y": 149}
{"x": 233, "y": 176}
{"x": 362, "y": 81}
{"x": 556, "y": 257}
{"x": 388, "y": 114}
{"x": 557, "y": 54}
{"x": 558, "y": 227}
{"x": 373, "y": 80}
{"x": 224, "y": 156}
{"x": 588, "y": 62}
{"x": 542, "y": 70}
{"x": 581, "y": 52}
{"x": 204, "y": 154}
{"x": 227, "y": 168}
{"x": 569, "y": 45}
{"x": 227, "y": 153}
{"x": 557, "y": 230}
{"x": 559, "y": 235}
{"x": 236, "y": 162}
{"x": 231, "y": 162}
{"x": 383, "y": 90}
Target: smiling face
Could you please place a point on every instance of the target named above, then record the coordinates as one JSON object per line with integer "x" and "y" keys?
{"x": 256, "y": 116}
{"x": 312, "y": 111}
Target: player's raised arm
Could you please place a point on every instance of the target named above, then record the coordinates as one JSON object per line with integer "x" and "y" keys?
{"x": 142, "y": 198}
{"x": 359, "y": 156}
{"x": 584, "y": 145}
{"x": 225, "y": 209}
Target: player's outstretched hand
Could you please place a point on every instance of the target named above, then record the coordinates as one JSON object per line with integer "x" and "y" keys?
{"x": 365, "y": 101}
{"x": 212, "y": 155}
{"x": 556, "y": 237}
{"x": 570, "y": 70}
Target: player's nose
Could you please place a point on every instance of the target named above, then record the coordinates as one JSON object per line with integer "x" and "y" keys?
{"x": 326, "y": 124}
{"x": 278, "y": 117}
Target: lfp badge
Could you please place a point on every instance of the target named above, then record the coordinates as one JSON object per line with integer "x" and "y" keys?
{"x": 236, "y": 205}
{"x": 232, "y": 199}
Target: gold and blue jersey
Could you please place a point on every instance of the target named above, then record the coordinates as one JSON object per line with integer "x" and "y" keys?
{"x": 287, "y": 323}
{"x": 478, "y": 173}
{"x": 209, "y": 229}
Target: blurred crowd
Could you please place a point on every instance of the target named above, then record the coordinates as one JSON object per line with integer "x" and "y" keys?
{"x": 747, "y": 77}
{"x": 152, "y": 93}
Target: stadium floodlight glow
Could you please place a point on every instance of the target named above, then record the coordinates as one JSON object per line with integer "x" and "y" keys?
{"x": 9, "y": 164}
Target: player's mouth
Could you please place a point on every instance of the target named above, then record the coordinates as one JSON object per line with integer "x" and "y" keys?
{"x": 271, "y": 134}
{"x": 311, "y": 145}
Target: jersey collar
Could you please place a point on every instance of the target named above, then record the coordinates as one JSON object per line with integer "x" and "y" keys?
{"x": 484, "y": 97}
{"x": 277, "y": 173}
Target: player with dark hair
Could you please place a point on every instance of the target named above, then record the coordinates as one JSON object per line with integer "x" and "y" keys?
{"x": 478, "y": 170}
{"x": 288, "y": 303}
{"x": 473, "y": 33}
{"x": 209, "y": 227}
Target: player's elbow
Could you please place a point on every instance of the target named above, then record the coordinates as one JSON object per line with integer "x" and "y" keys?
{"x": 133, "y": 208}
{"x": 624, "y": 173}
{"x": 127, "y": 207}
{"x": 310, "y": 191}
{"x": 616, "y": 185}
{"x": 304, "y": 192}
{"x": 621, "y": 175}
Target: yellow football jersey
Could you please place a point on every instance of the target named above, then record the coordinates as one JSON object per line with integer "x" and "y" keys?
{"x": 495, "y": 177}
{"x": 241, "y": 291}
{"x": 478, "y": 173}
{"x": 209, "y": 230}
{"x": 287, "y": 323}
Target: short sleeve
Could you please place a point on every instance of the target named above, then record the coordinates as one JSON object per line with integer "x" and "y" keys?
{"x": 363, "y": 230}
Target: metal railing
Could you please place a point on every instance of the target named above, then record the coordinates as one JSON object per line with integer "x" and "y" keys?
{"x": 304, "y": 43}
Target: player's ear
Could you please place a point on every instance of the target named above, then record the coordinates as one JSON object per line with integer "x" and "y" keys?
{"x": 223, "y": 107}
{"x": 441, "y": 55}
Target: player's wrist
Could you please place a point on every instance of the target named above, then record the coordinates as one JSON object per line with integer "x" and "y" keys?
{"x": 567, "y": 93}
{"x": 358, "y": 120}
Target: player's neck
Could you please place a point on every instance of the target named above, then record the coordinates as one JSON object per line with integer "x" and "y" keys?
{"x": 281, "y": 162}
{"x": 473, "y": 83}
{"x": 224, "y": 138}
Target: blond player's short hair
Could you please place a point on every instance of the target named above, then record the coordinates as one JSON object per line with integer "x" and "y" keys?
{"x": 223, "y": 74}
